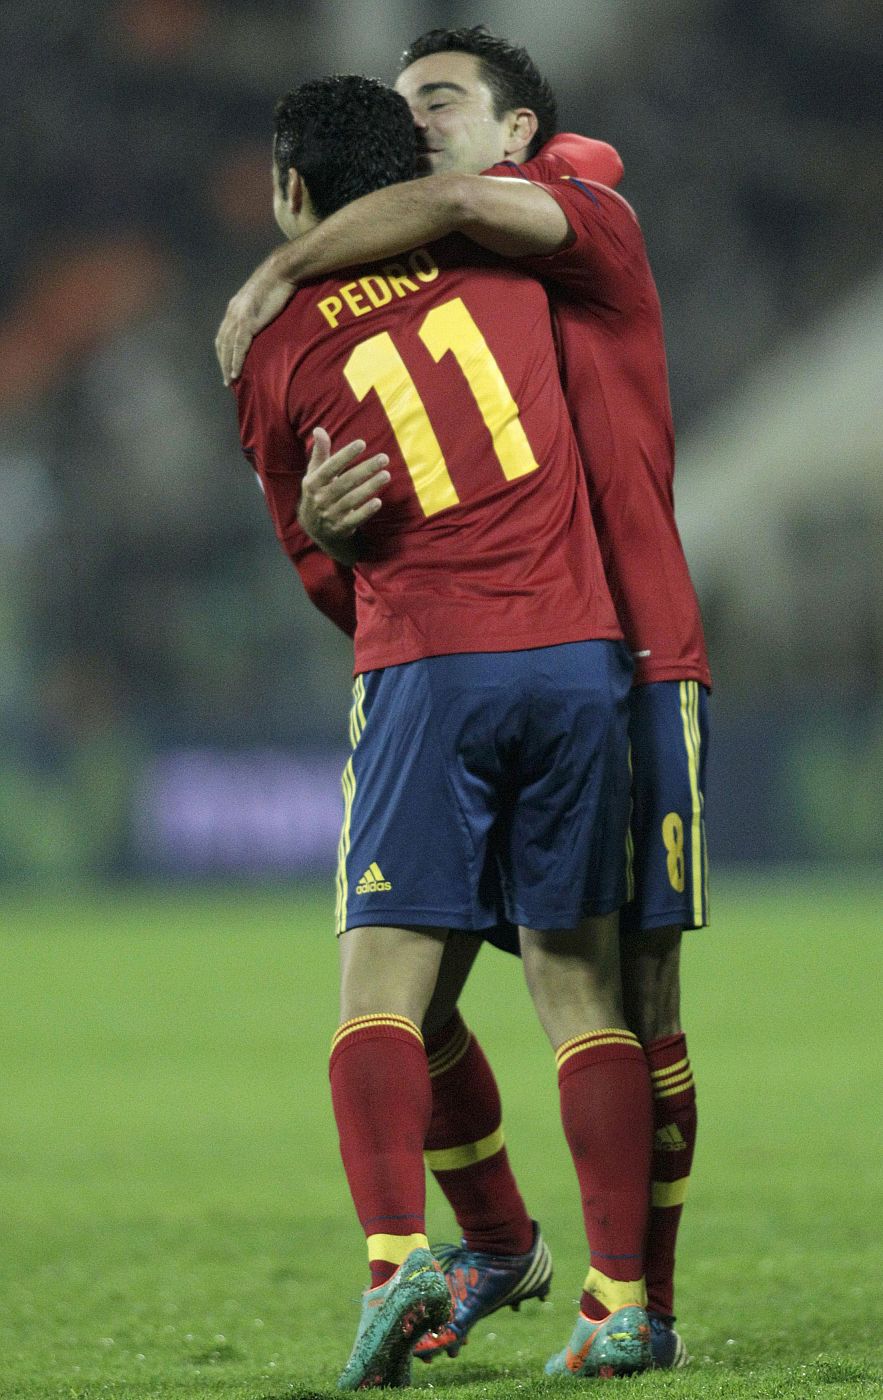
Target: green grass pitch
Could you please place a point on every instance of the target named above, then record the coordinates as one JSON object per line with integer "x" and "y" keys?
{"x": 175, "y": 1221}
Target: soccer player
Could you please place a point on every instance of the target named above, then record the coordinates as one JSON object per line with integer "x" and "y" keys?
{"x": 469, "y": 92}
{"x": 490, "y": 704}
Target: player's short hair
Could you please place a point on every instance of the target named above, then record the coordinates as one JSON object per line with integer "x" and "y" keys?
{"x": 508, "y": 70}
{"x": 345, "y": 136}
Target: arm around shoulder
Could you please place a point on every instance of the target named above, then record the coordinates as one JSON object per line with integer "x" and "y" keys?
{"x": 514, "y": 218}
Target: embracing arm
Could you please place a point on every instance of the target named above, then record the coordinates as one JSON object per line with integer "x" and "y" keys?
{"x": 510, "y": 217}
{"x": 271, "y": 286}
{"x": 328, "y": 584}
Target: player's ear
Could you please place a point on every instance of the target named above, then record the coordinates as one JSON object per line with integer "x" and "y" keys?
{"x": 295, "y": 197}
{"x": 523, "y": 126}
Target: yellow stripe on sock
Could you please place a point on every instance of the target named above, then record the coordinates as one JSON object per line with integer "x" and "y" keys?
{"x": 452, "y": 1159}
{"x": 588, "y": 1036}
{"x": 450, "y": 1054}
{"x": 668, "y": 1070}
{"x": 670, "y": 1193}
{"x": 359, "y": 1023}
{"x": 394, "y": 1249}
{"x": 677, "y": 1072}
{"x": 674, "y": 1086}
{"x": 612, "y": 1035}
{"x": 616, "y": 1293}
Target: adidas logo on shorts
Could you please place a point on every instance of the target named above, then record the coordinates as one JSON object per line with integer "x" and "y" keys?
{"x": 372, "y": 880}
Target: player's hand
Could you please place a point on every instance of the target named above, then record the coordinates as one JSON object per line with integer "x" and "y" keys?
{"x": 255, "y": 305}
{"x": 339, "y": 492}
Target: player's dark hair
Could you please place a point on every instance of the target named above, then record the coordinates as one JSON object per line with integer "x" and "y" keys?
{"x": 345, "y": 136}
{"x": 509, "y": 71}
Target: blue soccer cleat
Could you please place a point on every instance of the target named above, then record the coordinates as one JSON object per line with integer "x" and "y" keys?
{"x": 667, "y": 1345}
{"x": 616, "y": 1346}
{"x": 414, "y": 1299}
{"x": 482, "y": 1283}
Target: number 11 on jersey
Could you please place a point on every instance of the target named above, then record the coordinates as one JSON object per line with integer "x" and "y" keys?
{"x": 376, "y": 364}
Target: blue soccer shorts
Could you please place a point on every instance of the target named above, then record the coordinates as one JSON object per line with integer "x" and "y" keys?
{"x": 487, "y": 781}
{"x": 668, "y": 857}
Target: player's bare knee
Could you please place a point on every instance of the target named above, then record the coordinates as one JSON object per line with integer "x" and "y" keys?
{"x": 389, "y": 970}
{"x": 573, "y": 977}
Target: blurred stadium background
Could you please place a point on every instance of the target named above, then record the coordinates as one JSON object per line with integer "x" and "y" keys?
{"x": 170, "y": 704}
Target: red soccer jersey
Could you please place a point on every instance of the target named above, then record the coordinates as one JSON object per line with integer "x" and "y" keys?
{"x": 444, "y": 359}
{"x": 609, "y": 326}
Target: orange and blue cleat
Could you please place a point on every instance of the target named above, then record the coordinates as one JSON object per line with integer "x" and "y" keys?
{"x": 480, "y": 1284}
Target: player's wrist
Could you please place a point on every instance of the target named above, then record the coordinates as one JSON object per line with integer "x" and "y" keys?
{"x": 278, "y": 271}
{"x": 343, "y": 549}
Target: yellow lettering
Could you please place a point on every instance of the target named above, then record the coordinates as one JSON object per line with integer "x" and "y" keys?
{"x": 398, "y": 278}
{"x": 374, "y": 291}
{"x": 354, "y": 300}
{"x": 423, "y": 265}
{"x": 331, "y": 308}
{"x": 377, "y": 290}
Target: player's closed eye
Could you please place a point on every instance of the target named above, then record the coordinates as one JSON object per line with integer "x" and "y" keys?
{"x": 437, "y": 106}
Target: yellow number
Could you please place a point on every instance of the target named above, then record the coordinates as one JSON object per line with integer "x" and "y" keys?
{"x": 673, "y": 839}
{"x": 376, "y": 364}
{"x": 450, "y": 327}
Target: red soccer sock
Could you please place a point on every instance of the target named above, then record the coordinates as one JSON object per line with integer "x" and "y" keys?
{"x": 382, "y": 1103}
{"x": 607, "y": 1114}
{"x": 465, "y": 1150}
{"x": 674, "y": 1115}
